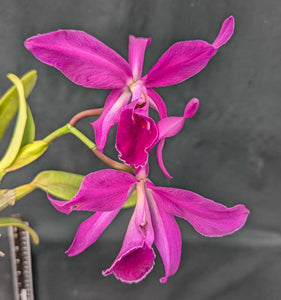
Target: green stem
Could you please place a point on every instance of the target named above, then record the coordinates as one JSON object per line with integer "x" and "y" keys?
{"x": 81, "y": 137}
{"x": 110, "y": 162}
{"x": 56, "y": 134}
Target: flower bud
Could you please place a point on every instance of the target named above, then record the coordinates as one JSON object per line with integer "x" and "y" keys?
{"x": 28, "y": 154}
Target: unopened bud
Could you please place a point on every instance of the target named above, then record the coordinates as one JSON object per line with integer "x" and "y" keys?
{"x": 28, "y": 154}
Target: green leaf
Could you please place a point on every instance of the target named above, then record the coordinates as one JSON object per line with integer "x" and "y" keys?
{"x": 9, "y": 101}
{"x": 27, "y": 155}
{"x": 60, "y": 184}
{"x": 4, "y": 222}
{"x": 29, "y": 131}
{"x": 16, "y": 139}
{"x": 132, "y": 200}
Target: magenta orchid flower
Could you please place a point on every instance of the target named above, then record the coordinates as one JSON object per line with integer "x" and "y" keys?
{"x": 104, "y": 192}
{"x": 137, "y": 133}
{"x": 90, "y": 63}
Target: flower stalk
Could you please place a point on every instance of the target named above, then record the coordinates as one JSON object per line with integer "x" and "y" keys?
{"x": 85, "y": 114}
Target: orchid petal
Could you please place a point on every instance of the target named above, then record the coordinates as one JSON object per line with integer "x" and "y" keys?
{"x": 136, "y": 257}
{"x": 180, "y": 62}
{"x": 157, "y": 103}
{"x": 136, "y": 134}
{"x": 115, "y": 101}
{"x": 159, "y": 155}
{"x": 191, "y": 108}
{"x": 89, "y": 231}
{"x": 170, "y": 126}
{"x": 167, "y": 236}
{"x": 206, "y": 216}
{"x": 225, "y": 33}
{"x": 137, "y": 48}
{"x": 82, "y": 58}
{"x": 104, "y": 190}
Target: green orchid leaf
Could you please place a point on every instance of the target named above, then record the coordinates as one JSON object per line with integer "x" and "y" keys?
{"x": 27, "y": 155}
{"x": 17, "y": 137}
{"x": 29, "y": 131}
{"x": 60, "y": 184}
{"x": 9, "y": 102}
{"x": 4, "y": 222}
{"x": 132, "y": 200}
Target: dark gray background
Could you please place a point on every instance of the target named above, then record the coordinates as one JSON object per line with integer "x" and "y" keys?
{"x": 229, "y": 152}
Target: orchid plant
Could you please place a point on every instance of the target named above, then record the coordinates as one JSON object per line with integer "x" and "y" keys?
{"x": 88, "y": 62}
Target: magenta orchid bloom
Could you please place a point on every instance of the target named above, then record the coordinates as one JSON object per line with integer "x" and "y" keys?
{"x": 90, "y": 63}
{"x": 104, "y": 192}
{"x": 137, "y": 133}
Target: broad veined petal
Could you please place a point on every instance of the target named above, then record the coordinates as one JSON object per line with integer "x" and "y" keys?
{"x": 157, "y": 103}
{"x": 167, "y": 237}
{"x": 225, "y": 33}
{"x": 136, "y": 257}
{"x": 136, "y": 134}
{"x": 206, "y": 216}
{"x": 180, "y": 62}
{"x": 82, "y": 58}
{"x": 137, "y": 48}
{"x": 104, "y": 190}
{"x": 89, "y": 231}
{"x": 170, "y": 126}
{"x": 115, "y": 101}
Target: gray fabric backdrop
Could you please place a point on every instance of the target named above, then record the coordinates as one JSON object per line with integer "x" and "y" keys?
{"x": 229, "y": 152}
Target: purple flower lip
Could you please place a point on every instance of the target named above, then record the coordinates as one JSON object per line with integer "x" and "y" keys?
{"x": 104, "y": 192}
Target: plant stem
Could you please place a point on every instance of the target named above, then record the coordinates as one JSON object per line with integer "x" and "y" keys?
{"x": 56, "y": 134}
{"x": 110, "y": 162}
{"x": 84, "y": 114}
{"x": 81, "y": 137}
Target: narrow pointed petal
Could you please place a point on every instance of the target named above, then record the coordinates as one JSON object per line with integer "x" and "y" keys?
{"x": 104, "y": 190}
{"x": 137, "y": 48}
{"x": 159, "y": 155}
{"x": 115, "y": 101}
{"x": 191, "y": 108}
{"x": 136, "y": 134}
{"x": 82, "y": 58}
{"x": 170, "y": 126}
{"x": 225, "y": 33}
{"x": 206, "y": 216}
{"x": 157, "y": 103}
{"x": 89, "y": 231}
{"x": 136, "y": 257}
{"x": 167, "y": 237}
{"x": 180, "y": 62}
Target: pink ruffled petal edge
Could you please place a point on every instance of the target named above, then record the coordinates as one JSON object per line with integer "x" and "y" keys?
{"x": 136, "y": 257}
